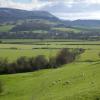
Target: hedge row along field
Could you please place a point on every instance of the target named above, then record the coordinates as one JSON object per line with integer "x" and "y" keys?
{"x": 24, "y": 64}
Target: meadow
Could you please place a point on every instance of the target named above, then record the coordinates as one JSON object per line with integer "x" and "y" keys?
{"x": 6, "y": 28}
{"x": 76, "y": 81}
{"x": 13, "y": 49}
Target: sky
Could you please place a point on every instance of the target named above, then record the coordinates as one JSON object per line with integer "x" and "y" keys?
{"x": 64, "y": 9}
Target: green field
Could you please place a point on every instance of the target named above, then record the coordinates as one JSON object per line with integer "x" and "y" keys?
{"x": 6, "y": 28}
{"x": 76, "y": 81}
{"x": 77, "y": 29}
{"x": 68, "y": 30}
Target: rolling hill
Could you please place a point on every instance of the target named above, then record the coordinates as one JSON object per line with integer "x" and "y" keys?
{"x": 15, "y": 23}
{"x": 78, "y": 82}
{"x": 8, "y": 14}
{"x": 83, "y": 23}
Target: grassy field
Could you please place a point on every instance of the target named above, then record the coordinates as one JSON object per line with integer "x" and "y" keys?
{"x": 6, "y": 28}
{"x": 14, "y": 54}
{"x": 49, "y": 48}
{"x": 76, "y": 81}
{"x": 68, "y": 30}
{"x": 96, "y": 29}
{"x": 78, "y": 29}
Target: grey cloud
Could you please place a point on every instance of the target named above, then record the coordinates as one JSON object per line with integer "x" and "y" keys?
{"x": 78, "y": 7}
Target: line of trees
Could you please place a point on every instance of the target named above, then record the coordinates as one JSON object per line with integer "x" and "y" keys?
{"x": 24, "y": 64}
{"x": 49, "y": 34}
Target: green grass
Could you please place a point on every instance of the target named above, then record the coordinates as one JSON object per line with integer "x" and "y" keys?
{"x": 78, "y": 29}
{"x": 6, "y": 28}
{"x": 24, "y": 49}
{"x": 79, "y": 80}
{"x": 14, "y": 54}
{"x": 83, "y": 84}
{"x": 68, "y": 30}
{"x": 83, "y": 28}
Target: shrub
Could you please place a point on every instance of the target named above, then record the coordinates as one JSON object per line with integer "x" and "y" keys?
{"x": 3, "y": 65}
{"x": 40, "y": 62}
{"x": 11, "y": 68}
{"x": 22, "y": 64}
{"x": 0, "y": 41}
{"x": 78, "y": 51}
{"x": 64, "y": 57}
{"x": 52, "y": 62}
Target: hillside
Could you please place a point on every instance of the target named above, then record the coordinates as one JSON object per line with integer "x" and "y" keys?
{"x": 78, "y": 82}
{"x": 83, "y": 23}
{"x": 8, "y": 14}
{"x": 24, "y": 24}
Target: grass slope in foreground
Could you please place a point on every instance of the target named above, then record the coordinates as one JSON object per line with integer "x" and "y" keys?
{"x": 76, "y": 81}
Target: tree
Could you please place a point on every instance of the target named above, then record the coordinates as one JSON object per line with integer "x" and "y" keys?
{"x": 23, "y": 64}
{"x": 64, "y": 57}
{"x": 52, "y": 62}
{"x": 40, "y": 62}
{"x": 32, "y": 63}
{"x": 3, "y": 65}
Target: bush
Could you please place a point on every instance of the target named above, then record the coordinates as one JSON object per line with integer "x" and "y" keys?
{"x": 3, "y": 65}
{"x": 52, "y": 62}
{"x": 0, "y": 41}
{"x": 23, "y": 65}
{"x": 64, "y": 57}
{"x": 40, "y": 62}
{"x": 78, "y": 51}
{"x": 31, "y": 62}
{"x": 12, "y": 68}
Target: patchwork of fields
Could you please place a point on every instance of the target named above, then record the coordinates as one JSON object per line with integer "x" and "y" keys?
{"x": 13, "y": 49}
{"x": 76, "y": 81}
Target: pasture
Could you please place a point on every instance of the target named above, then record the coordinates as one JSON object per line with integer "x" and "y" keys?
{"x": 6, "y": 28}
{"x": 76, "y": 81}
{"x": 13, "y": 49}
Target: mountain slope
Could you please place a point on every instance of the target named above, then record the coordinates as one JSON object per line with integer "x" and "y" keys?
{"x": 8, "y": 14}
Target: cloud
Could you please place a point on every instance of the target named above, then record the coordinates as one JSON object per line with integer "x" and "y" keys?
{"x": 37, "y": 4}
{"x": 75, "y": 9}
{"x": 74, "y": 16}
{"x": 75, "y": 1}
{"x": 34, "y": 4}
{"x": 67, "y": 9}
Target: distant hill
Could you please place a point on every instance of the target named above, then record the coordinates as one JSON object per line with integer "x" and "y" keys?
{"x": 8, "y": 14}
{"x": 30, "y": 26}
{"x": 15, "y": 23}
{"x": 83, "y": 23}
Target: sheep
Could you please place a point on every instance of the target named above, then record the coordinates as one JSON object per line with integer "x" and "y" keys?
{"x": 67, "y": 83}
